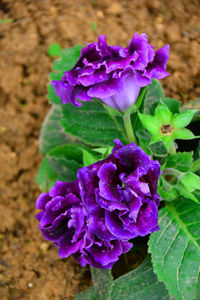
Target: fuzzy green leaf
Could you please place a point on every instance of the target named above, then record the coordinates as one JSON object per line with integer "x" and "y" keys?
{"x": 53, "y": 98}
{"x": 157, "y": 149}
{"x": 163, "y": 113}
{"x": 154, "y": 94}
{"x": 46, "y": 176}
{"x": 88, "y": 294}
{"x": 92, "y": 124}
{"x": 183, "y": 119}
{"x": 150, "y": 123}
{"x": 183, "y": 134}
{"x": 68, "y": 59}
{"x": 175, "y": 248}
{"x": 102, "y": 281}
{"x": 52, "y": 133}
{"x": 139, "y": 284}
{"x": 173, "y": 104}
{"x": 54, "y": 50}
{"x": 66, "y": 160}
{"x": 88, "y": 158}
{"x": 181, "y": 161}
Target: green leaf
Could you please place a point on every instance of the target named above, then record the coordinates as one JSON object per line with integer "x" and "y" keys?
{"x": 183, "y": 134}
{"x": 150, "y": 123}
{"x": 175, "y": 248}
{"x": 183, "y": 119}
{"x": 92, "y": 124}
{"x": 52, "y": 133}
{"x": 68, "y": 59}
{"x": 141, "y": 97}
{"x": 89, "y": 294}
{"x": 54, "y": 50}
{"x": 181, "y": 161}
{"x": 163, "y": 113}
{"x": 166, "y": 140}
{"x": 53, "y": 98}
{"x": 2, "y": 21}
{"x": 66, "y": 160}
{"x": 139, "y": 284}
{"x": 88, "y": 158}
{"x": 173, "y": 104}
{"x": 46, "y": 176}
{"x": 166, "y": 191}
{"x": 154, "y": 94}
{"x": 156, "y": 149}
{"x": 102, "y": 281}
{"x": 190, "y": 182}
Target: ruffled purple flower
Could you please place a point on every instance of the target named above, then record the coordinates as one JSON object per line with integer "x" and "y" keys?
{"x": 62, "y": 217}
{"x": 113, "y": 74}
{"x": 120, "y": 194}
{"x": 63, "y": 220}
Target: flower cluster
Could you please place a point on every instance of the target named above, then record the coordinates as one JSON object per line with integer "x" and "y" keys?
{"x": 113, "y": 74}
{"x": 112, "y": 201}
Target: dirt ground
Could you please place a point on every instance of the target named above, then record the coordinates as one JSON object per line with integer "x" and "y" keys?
{"x": 30, "y": 268}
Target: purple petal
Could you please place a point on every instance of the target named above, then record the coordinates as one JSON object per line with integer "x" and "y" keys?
{"x": 42, "y": 200}
{"x": 108, "y": 184}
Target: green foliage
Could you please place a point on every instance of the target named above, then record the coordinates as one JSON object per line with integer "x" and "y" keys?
{"x": 175, "y": 248}
{"x": 52, "y": 133}
{"x": 137, "y": 284}
{"x": 173, "y": 105}
{"x": 157, "y": 150}
{"x": 166, "y": 127}
{"x": 102, "y": 280}
{"x": 3, "y": 21}
{"x": 89, "y": 158}
{"x": 178, "y": 179}
{"x": 67, "y": 60}
{"x": 54, "y": 50}
{"x": 46, "y": 176}
{"x": 181, "y": 161}
{"x": 60, "y": 163}
{"x": 154, "y": 94}
{"x": 92, "y": 124}
{"x": 66, "y": 160}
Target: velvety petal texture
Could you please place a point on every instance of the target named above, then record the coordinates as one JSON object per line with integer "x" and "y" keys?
{"x": 65, "y": 221}
{"x": 112, "y": 201}
{"x": 111, "y": 73}
{"x": 122, "y": 193}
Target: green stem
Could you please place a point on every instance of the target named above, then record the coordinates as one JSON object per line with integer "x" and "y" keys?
{"x": 102, "y": 281}
{"x": 196, "y": 165}
{"x": 129, "y": 129}
{"x": 172, "y": 149}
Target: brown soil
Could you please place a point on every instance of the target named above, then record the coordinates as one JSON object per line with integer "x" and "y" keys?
{"x": 30, "y": 267}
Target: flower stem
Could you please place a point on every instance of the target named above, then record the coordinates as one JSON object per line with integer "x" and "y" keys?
{"x": 196, "y": 165}
{"x": 102, "y": 280}
{"x": 129, "y": 129}
{"x": 172, "y": 149}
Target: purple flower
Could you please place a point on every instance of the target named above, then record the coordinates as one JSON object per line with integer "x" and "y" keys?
{"x": 99, "y": 253}
{"x": 62, "y": 217}
{"x": 120, "y": 194}
{"x": 113, "y": 74}
{"x": 63, "y": 220}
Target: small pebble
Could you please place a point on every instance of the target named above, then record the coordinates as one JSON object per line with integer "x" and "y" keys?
{"x": 30, "y": 285}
